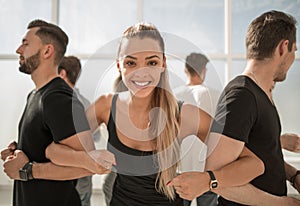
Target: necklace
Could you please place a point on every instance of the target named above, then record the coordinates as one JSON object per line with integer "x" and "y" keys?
{"x": 270, "y": 91}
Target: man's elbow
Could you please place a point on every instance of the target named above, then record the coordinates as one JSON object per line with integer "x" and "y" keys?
{"x": 260, "y": 167}
{"x": 50, "y": 151}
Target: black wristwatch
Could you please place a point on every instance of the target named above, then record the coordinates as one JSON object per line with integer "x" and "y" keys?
{"x": 26, "y": 172}
{"x": 213, "y": 184}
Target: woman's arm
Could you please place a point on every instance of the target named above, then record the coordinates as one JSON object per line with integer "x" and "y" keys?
{"x": 99, "y": 111}
{"x": 96, "y": 161}
{"x": 194, "y": 121}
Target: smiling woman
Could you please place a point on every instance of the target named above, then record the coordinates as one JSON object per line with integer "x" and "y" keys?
{"x": 141, "y": 71}
{"x": 147, "y": 154}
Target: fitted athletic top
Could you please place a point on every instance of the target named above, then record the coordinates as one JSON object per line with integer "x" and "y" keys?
{"x": 136, "y": 172}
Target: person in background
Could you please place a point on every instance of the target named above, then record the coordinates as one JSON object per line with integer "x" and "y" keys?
{"x": 246, "y": 116}
{"x": 52, "y": 113}
{"x": 196, "y": 93}
{"x": 69, "y": 70}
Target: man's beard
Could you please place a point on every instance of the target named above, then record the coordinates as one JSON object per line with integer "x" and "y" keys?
{"x": 30, "y": 64}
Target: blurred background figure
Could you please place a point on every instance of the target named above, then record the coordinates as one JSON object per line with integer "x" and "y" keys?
{"x": 193, "y": 151}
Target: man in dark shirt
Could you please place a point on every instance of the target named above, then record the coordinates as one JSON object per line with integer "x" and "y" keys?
{"x": 52, "y": 113}
{"x": 246, "y": 116}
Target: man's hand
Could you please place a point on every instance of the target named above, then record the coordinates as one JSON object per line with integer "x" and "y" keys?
{"x": 9, "y": 150}
{"x": 14, "y": 163}
{"x": 290, "y": 142}
{"x": 190, "y": 185}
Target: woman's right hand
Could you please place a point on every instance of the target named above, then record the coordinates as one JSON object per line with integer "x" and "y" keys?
{"x": 102, "y": 161}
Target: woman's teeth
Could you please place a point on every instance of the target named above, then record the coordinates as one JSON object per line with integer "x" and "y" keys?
{"x": 141, "y": 84}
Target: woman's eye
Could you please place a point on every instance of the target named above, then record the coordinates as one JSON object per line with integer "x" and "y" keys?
{"x": 130, "y": 63}
{"x": 152, "y": 63}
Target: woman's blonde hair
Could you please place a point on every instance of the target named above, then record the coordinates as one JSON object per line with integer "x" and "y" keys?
{"x": 167, "y": 147}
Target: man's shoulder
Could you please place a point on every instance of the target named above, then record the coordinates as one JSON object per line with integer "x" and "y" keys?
{"x": 55, "y": 86}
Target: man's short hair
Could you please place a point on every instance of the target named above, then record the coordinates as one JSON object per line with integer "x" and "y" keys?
{"x": 267, "y": 31}
{"x": 195, "y": 63}
{"x": 51, "y": 34}
{"x": 72, "y": 66}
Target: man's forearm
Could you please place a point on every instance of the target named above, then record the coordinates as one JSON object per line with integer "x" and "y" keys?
{"x": 65, "y": 156}
{"x": 250, "y": 195}
{"x": 50, "y": 171}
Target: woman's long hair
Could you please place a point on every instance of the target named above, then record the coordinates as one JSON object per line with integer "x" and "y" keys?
{"x": 167, "y": 146}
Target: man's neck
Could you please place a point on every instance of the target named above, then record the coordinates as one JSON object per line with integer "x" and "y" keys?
{"x": 194, "y": 81}
{"x": 41, "y": 76}
{"x": 262, "y": 74}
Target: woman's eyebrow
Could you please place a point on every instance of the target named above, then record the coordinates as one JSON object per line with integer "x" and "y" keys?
{"x": 154, "y": 56}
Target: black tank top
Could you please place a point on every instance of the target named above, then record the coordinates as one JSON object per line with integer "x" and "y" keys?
{"x": 136, "y": 172}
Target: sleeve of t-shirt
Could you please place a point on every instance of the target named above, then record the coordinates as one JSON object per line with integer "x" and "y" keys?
{"x": 235, "y": 115}
{"x": 204, "y": 101}
{"x": 64, "y": 115}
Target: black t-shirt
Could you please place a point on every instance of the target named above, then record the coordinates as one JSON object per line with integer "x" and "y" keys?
{"x": 52, "y": 113}
{"x": 136, "y": 173}
{"x": 245, "y": 113}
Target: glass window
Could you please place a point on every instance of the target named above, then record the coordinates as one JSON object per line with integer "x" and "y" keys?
{"x": 238, "y": 66}
{"x": 92, "y": 23}
{"x": 215, "y": 75}
{"x": 201, "y": 22}
{"x": 243, "y": 12}
{"x": 14, "y": 18}
{"x": 14, "y": 90}
{"x": 177, "y": 77}
{"x": 287, "y": 98}
{"x": 97, "y": 77}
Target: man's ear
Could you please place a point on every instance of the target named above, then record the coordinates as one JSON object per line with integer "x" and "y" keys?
{"x": 48, "y": 51}
{"x": 62, "y": 74}
{"x": 203, "y": 73}
{"x": 283, "y": 47}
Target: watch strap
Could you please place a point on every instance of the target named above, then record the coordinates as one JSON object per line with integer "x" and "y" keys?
{"x": 211, "y": 174}
{"x": 28, "y": 169}
{"x": 213, "y": 181}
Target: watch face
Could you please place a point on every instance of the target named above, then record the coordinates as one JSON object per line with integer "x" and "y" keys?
{"x": 214, "y": 185}
{"x": 23, "y": 175}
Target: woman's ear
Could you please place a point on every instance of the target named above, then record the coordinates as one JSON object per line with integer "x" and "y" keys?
{"x": 164, "y": 66}
{"x": 118, "y": 65}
